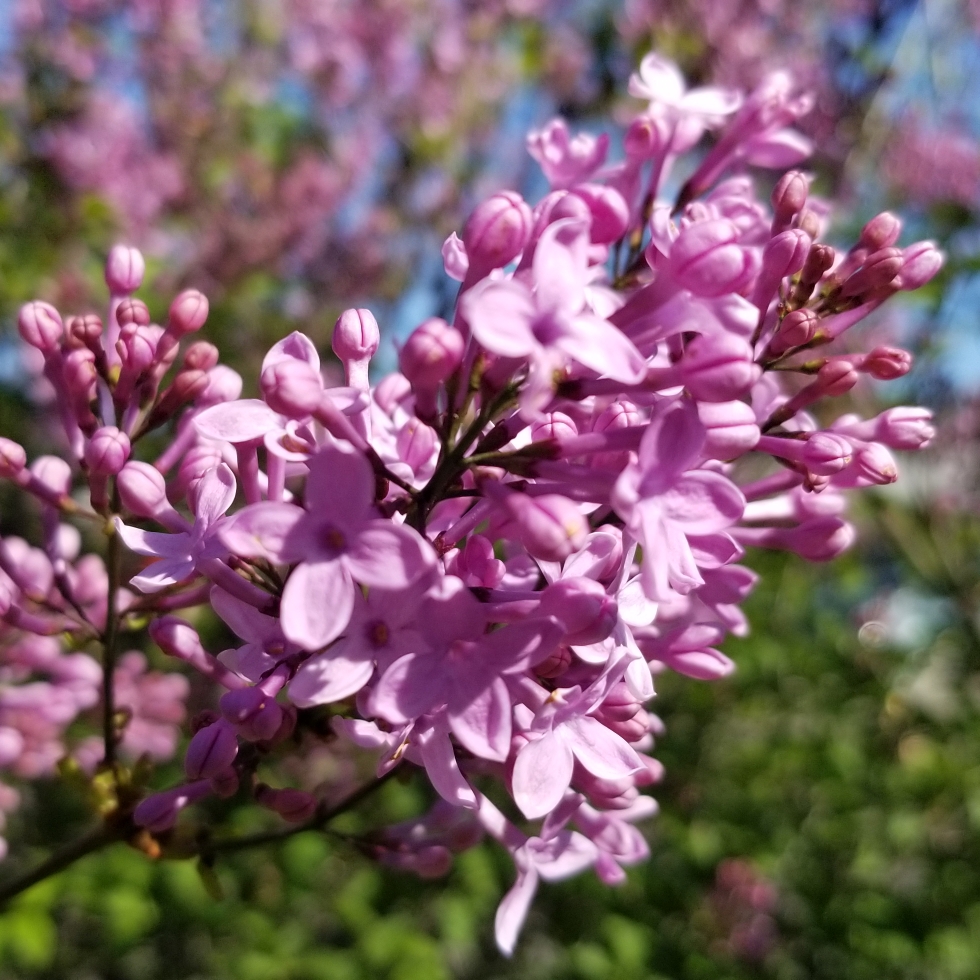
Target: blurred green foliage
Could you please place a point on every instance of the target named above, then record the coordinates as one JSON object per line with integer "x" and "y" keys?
{"x": 842, "y": 768}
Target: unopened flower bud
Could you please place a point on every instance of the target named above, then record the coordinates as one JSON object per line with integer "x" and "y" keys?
{"x": 188, "y": 312}
{"x": 13, "y": 459}
{"x": 253, "y": 712}
{"x": 85, "y": 331}
{"x": 496, "y": 233}
{"x": 609, "y": 212}
{"x": 718, "y": 368}
{"x": 124, "y": 269}
{"x": 416, "y": 443}
{"x": 922, "y": 262}
{"x": 292, "y": 387}
{"x": 454, "y": 258}
{"x": 645, "y": 137}
{"x": 874, "y": 465}
{"x": 107, "y": 451}
{"x": 131, "y": 310}
{"x": 707, "y": 259}
{"x": 53, "y": 473}
{"x": 211, "y": 750}
{"x": 201, "y": 356}
{"x": 431, "y": 354}
{"x": 730, "y": 428}
{"x": 886, "y": 363}
{"x": 826, "y": 454}
{"x": 795, "y": 330}
{"x": 905, "y": 427}
{"x": 556, "y": 426}
{"x": 782, "y": 256}
{"x": 551, "y": 527}
{"x": 225, "y": 784}
{"x": 587, "y": 613}
{"x": 878, "y": 270}
{"x": 40, "y": 325}
{"x": 159, "y": 812}
{"x": 356, "y": 335}
{"x": 556, "y": 663}
{"x": 880, "y": 232}
{"x": 142, "y": 489}
{"x": 809, "y": 221}
{"x": 820, "y": 539}
{"x": 788, "y": 198}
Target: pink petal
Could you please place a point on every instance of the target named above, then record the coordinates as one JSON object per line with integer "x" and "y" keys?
{"x": 214, "y": 494}
{"x": 245, "y": 620}
{"x": 296, "y": 345}
{"x": 160, "y": 574}
{"x": 240, "y": 421}
{"x": 658, "y": 80}
{"x": 316, "y": 604}
{"x": 778, "y": 150}
{"x": 500, "y": 316}
{"x": 542, "y": 773}
{"x": 598, "y": 345}
{"x": 703, "y": 665}
{"x": 567, "y": 853}
{"x": 264, "y": 531}
{"x": 711, "y": 101}
{"x": 484, "y": 725}
{"x": 560, "y": 261}
{"x": 671, "y": 445}
{"x": 340, "y": 487}
{"x": 604, "y": 753}
{"x": 389, "y": 556}
{"x": 331, "y": 676}
{"x": 155, "y": 544}
{"x": 513, "y": 909}
{"x": 409, "y": 687}
{"x": 443, "y": 770}
{"x": 703, "y": 502}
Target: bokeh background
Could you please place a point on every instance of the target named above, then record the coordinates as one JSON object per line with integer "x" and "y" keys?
{"x": 820, "y": 816}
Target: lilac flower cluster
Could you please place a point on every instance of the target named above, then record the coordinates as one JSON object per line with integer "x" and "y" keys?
{"x": 481, "y": 563}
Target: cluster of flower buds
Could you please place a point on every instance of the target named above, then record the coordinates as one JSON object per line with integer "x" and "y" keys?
{"x": 481, "y": 563}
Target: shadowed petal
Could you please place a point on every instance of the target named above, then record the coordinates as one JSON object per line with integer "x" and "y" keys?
{"x": 542, "y": 772}
{"x": 484, "y": 725}
{"x": 331, "y": 676}
{"x": 265, "y": 531}
{"x": 604, "y": 753}
{"x": 316, "y": 604}
{"x": 389, "y": 556}
{"x": 512, "y": 910}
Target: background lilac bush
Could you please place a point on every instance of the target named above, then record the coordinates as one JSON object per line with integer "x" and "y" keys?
{"x": 743, "y": 917}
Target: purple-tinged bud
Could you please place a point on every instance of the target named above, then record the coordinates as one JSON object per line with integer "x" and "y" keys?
{"x": 186, "y": 386}
{"x": 788, "y": 198}
{"x": 196, "y": 462}
{"x": 40, "y": 325}
{"x": 556, "y": 426}
{"x": 392, "y": 390}
{"x": 826, "y": 454}
{"x": 132, "y": 310}
{"x": 731, "y": 429}
{"x": 416, "y": 443}
{"x": 587, "y": 613}
{"x": 904, "y": 427}
{"x": 496, "y": 233}
{"x": 13, "y": 459}
{"x": 224, "y": 385}
{"x": 356, "y": 335}
{"x": 718, "y": 368}
{"x": 621, "y": 713}
{"x": 886, "y": 363}
{"x": 188, "y": 312}
{"x": 137, "y": 347}
{"x": 879, "y": 269}
{"x": 294, "y": 805}
{"x": 833, "y": 379}
{"x": 795, "y": 330}
{"x": 922, "y": 262}
{"x": 211, "y": 750}
{"x": 177, "y": 638}
{"x": 292, "y": 387}
{"x": 880, "y": 232}
{"x": 820, "y": 258}
{"x": 159, "y": 812}
{"x": 107, "y": 451}
{"x": 201, "y": 356}
{"x": 621, "y": 414}
{"x": 428, "y": 861}
{"x": 707, "y": 259}
{"x": 551, "y": 527}
{"x": 253, "y": 712}
{"x": 609, "y": 212}
{"x": 561, "y": 205}
{"x": 124, "y": 269}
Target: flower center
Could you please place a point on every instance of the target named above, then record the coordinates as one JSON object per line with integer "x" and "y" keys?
{"x": 378, "y": 634}
{"x": 332, "y": 540}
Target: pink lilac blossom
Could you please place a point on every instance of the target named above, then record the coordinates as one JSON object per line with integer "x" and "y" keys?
{"x": 482, "y": 562}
